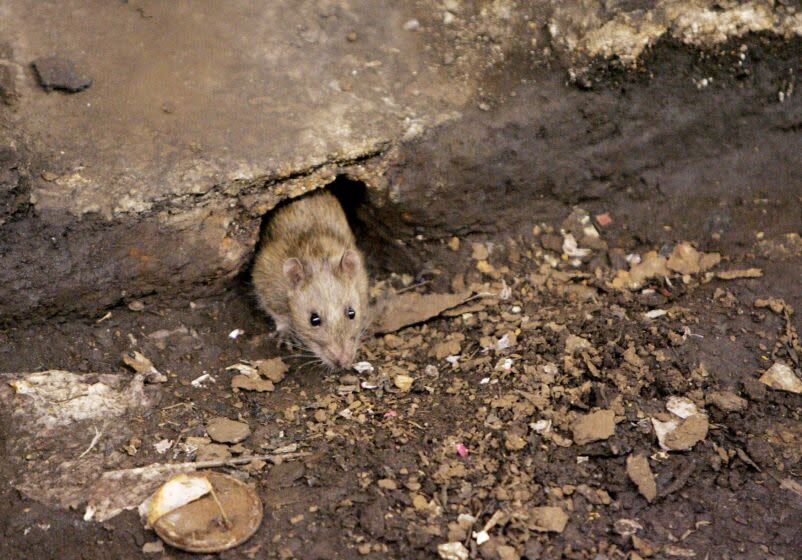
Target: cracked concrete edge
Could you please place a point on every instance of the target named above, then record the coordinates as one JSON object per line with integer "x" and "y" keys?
{"x": 584, "y": 33}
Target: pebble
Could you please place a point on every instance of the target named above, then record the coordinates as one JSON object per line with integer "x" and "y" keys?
{"x": 224, "y": 430}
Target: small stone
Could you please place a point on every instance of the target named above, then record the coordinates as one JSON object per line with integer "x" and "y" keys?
{"x": 480, "y": 252}
{"x": 420, "y": 502}
{"x": 274, "y": 369}
{"x": 212, "y": 452}
{"x": 352, "y": 36}
{"x": 55, "y": 72}
{"x": 412, "y": 25}
{"x": 224, "y": 430}
{"x": 641, "y": 474}
{"x": 364, "y": 549}
{"x": 514, "y": 442}
{"x": 595, "y": 426}
{"x": 453, "y": 244}
{"x": 387, "y": 484}
{"x": 727, "y": 401}
{"x": 155, "y": 547}
{"x": 681, "y": 435}
{"x": 403, "y": 382}
{"x": 782, "y": 377}
{"x": 547, "y": 519}
{"x": 453, "y": 551}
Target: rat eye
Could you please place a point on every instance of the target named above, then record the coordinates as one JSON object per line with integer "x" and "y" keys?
{"x": 350, "y": 313}
{"x": 314, "y": 320}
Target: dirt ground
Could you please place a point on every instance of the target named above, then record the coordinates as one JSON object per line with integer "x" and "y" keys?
{"x": 491, "y": 428}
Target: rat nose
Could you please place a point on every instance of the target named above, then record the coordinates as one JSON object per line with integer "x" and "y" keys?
{"x": 344, "y": 358}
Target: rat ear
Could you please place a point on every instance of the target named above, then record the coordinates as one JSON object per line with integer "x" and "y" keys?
{"x": 350, "y": 261}
{"x": 294, "y": 271}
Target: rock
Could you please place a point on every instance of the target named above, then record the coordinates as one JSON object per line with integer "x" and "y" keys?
{"x": 155, "y": 547}
{"x": 387, "y": 484}
{"x": 274, "y": 369}
{"x": 403, "y": 382}
{"x": 479, "y": 252}
{"x": 55, "y": 72}
{"x": 596, "y": 426}
{"x": 212, "y": 452}
{"x": 452, "y": 551}
{"x": 547, "y": 519}
{"x": 681, "y": 435}
{"x": 640, "y": 473}
{"x": 726, "y": 401}
{"x": 247, "y": 383}
{"x": 224, "y": 430}
{"x": 782, "y": 377}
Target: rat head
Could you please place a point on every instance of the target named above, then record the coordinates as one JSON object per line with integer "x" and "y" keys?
{"x": 328, "y": 305}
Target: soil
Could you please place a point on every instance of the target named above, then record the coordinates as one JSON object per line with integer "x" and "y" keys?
{"x": 388, "y": 479}
{"x": 489, "y": 434}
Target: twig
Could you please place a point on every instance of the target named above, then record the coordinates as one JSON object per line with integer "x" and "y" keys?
{"x": 98, "y": 434}
{"x": 246, "y": 460}
{"x": 226, "y": 520}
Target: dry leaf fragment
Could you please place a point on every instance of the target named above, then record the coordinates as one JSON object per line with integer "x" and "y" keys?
{"x": 411, "y": 308}
{"x": 641, "y": 474}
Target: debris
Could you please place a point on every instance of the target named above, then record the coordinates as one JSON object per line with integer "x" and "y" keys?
{"x": 274, "y": 369}
{"x": 236, "y": 333}
{"x": 224, "y": 430}
{"x": 248, "y": 383}
{"x": 57, "y": 398}
{"x": 58, "y": 73}
{"x": 777, "y": 305}
{"x": 651, "y": 266}
{"x": 200, "y": 380}
{"x": 571, "y": 248}
{"x": 452, "y": 551}
{"x": 462, "y": 451}
{"x": 140, "y": 364}
{"x": 681, "y": 406}
{"x": 213, "y": 452}
{"x": 736, "y": 274}
{"x": 403, "y": 382}
{"x": 726, "y": 401}
{"x": 204, "y": 512}
{"x": 604, "y": 220}
{"x": 655, "y": 313}
{"x": 685, "y": 259}
{"x": 480, "y": 252}
{"x": 641, "y": 474}
{"x": 155, "y": 547}
{"x": 782, "y": 377}
{"x": 411, "y": 308}
{"x": 574, "y": 344}
{"x": 162, "y": 446}
{"x": 681, "y": 435}
{"x": 363, "y": 367}
{"x": 136, "y": 305}
{"x": 454, "y": 243}
{"x": 596, "y": 426}
{"x": 412, "y": 25}
{"x": 548, "y": 519}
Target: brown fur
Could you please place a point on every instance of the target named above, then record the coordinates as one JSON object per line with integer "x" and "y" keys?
{"x": 328, "y": 277}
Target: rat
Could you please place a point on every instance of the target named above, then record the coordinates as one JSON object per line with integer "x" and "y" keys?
{"x": 310, "y": 277}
